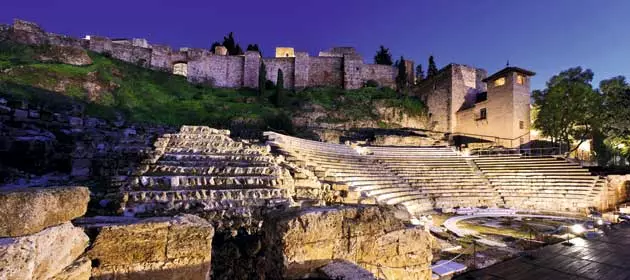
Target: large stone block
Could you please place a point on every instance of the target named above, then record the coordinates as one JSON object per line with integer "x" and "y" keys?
{"x": 30, "y": 210}
{"x": 81, "y": 269}
{"x": 42, "y": 255}
{"x": 155, "y": 248}
{"x": 371, "y": 237}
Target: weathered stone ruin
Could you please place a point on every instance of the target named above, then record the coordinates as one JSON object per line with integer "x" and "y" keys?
{"x": 371, "y": 237}
{"x": 153, "y": 248}
{"x": 424, "y": 178}
{"x": 37, "y": 240}
{"x": 202, "y": 170}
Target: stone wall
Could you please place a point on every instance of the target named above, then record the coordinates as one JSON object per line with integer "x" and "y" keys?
{"x": 154, "y": 248}
{"x": 383, "y": 74}
{"x": 371, "y": 237}
{"x": 337, "y": 67}
{"x": 325, "y": 71}
{"x": 44, "y": 146}
{"x": 288, "y": 70}
{"x": 436, "y": 94}
{"x": 37, "y": 240}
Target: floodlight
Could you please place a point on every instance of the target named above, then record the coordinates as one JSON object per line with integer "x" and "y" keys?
{"x": 578, "y": 228}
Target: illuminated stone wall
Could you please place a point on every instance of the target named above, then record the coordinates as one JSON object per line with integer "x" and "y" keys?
{"x": 288, "y": 70}
{"x": 337, "y": 67}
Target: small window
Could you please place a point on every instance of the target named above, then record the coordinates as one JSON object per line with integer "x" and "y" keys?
{"x": 499, "y": 82}
{"x": 287, "y": 55}
{"x": 521, "y": 124}
{"x": 483, "y": 114}
{"x": 520, "y": 79}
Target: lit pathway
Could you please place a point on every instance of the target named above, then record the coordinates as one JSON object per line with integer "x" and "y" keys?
{"x": 606, "y": 257}
{"x": 451, "y": 225}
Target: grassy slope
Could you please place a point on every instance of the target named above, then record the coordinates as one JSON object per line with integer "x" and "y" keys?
{"x": 156, "y": 97}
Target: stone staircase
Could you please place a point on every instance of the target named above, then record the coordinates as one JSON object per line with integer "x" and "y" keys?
{"x": 362, "y": 179}
{"x": 441, "y": 173}
{"x": 540, "y": 183}
{"x": 203, "y": 169}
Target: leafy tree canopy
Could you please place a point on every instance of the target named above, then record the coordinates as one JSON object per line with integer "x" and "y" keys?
{"x": 569, "y": 108}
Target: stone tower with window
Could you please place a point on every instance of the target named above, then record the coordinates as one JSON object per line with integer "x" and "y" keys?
{"x": 507, "y": 106}
{"x": 465, "y": 102}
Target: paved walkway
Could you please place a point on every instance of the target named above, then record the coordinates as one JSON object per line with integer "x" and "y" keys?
{"x": 451, "y": 225}
{"x": 606, "y": 257}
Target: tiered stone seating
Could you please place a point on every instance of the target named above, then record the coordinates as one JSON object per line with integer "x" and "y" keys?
{"x": 201, "y": 168}
{"x": 440, "y": 172}
{"x": 540, "y": 183}
{"x": 343, "y": 167}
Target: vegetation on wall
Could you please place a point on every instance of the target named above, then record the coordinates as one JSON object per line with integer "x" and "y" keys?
{"x": 110, "y": 88}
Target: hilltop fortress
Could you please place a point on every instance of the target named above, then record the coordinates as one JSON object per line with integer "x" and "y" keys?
{"x": 463, "y": 101}
{"x": 338, "y": 67}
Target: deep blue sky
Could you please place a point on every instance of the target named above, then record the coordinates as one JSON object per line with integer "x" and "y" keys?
{"x": 545, "y": 36}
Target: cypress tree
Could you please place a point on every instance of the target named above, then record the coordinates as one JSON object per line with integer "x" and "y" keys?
{"x": 419, "y": 74}
{"x": 401, "y": 79}
{"x": 383, "y": 56}
{"x": 280, "y": 89}
{"x": 432, "y": 70}
{"x": 262, "y": 78}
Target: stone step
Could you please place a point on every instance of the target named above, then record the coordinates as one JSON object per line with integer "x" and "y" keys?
{"x": 159, "y": 170}
{"x": 214, "y": 163}
{"x": 206, "y": 195}
{"x": 187, "y": 182}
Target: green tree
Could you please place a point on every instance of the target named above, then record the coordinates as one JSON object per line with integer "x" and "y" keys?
{"x": 262, "y": 78}
{"x": 383, "y": 56}
{"x": 280, "y": 98}
{"x": 432, "y": 70}
{"x": 419, "y": 74}
{"x": 616, "y": 113}
{"x": 253, "y": 47}
{"x": 230, "y": 44}
{"x": 568, "y": 108}
{"x": 401, "y": 78}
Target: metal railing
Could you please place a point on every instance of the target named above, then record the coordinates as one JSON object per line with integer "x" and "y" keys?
{"x": 523, "y": 152}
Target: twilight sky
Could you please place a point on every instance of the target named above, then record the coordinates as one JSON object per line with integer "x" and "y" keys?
{"x": 545, "y": 36}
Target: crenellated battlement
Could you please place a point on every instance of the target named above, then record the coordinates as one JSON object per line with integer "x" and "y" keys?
{"x": 339, "y": 67}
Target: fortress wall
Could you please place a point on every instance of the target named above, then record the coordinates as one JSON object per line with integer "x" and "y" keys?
{"x": 251, "y": 69}
{"x": 287, "y": 64}
{"x": 179, "y": 56}
{"x": 325, "y": 71}
{"x": 219, "y": 70}
{"x": 383, "y": 74}
{"x": 466, "y": 83}
{"x": 100, "y": 44}
{"x": 161, "y": 58}
{"x": 435, "y": 92}
{"x": 352, "y": 65}
{"x": 302, "y": 65}
{"x": 303, "y": 71}
{"x": 195, "y": 53}
{"x": 141, "y": 56}
{"x": 122, "y": 51}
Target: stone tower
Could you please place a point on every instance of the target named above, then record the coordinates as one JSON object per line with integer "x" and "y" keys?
{"x": 507, "y": 106}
